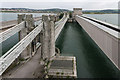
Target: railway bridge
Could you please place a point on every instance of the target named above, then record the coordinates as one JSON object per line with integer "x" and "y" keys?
{"x": 40, "y": 40}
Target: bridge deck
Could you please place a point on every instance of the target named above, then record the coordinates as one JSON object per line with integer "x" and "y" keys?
{"x": 30, "y": 69}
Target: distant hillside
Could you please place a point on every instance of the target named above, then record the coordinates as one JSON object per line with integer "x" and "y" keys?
{"x": 55, "y": 9}
{"x": 32, "y": 10}
{"x": 107, "y": 11}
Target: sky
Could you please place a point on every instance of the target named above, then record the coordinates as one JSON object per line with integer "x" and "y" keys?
{"x": 64, "y": 4}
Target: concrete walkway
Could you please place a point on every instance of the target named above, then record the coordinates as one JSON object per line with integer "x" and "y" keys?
{"x": 30, "y": 69}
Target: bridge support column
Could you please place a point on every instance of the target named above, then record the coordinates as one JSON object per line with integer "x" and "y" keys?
{"x": 45, "y": 38}
{"x": 30, "y": 27}
{"x": 22, "y": 33}
{"x": 48, "y": 37}
{"x": 52, "y": 36}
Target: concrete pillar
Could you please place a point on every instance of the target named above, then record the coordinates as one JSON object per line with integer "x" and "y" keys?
{"x": 29, "y": 22}
{"x": 45, "y": 37}
{"x": 22, "y": 33}
{"x": 30, "y": 27}
{"x": 21, "y": 17}
{"x": 48, "y": 38}
{"x": 52, "y": 36}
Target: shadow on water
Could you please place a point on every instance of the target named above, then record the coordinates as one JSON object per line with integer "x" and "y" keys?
{"x": 91, "y": 61}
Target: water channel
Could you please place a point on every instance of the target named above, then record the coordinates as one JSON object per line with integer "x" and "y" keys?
{"x": 91, "y": 60}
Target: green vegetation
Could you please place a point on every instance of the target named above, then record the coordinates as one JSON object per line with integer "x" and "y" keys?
{"x": 10, "y": 11}
{"x": 62, "y": 73}
{"x": 108, "y": 11}
{"x": 57, "y": 10}
{"x": 27, "y": 10}
{"x": 70, "y": 14}
{"x": 61, "y": 15}
{"x": 57, "y": 73}
{"x": 21, "y": 59}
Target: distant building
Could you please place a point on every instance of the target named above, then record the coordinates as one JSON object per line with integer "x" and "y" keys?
{"x": 77, "y": 11}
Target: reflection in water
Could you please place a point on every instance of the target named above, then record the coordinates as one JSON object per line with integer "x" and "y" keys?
{"x": 91, "y": 61}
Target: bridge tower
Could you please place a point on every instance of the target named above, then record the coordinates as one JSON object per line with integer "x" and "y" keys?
{"x": 77, "y": 11}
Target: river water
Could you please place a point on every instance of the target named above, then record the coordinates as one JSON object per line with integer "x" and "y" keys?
{"x": 109, "y": 18}
{"x": 13, "y": 16}
{"x": 91, "y": 61}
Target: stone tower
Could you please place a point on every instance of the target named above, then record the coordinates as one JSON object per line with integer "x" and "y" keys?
{"x": 77, "y": 11}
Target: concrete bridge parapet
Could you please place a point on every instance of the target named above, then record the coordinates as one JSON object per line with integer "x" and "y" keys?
{"x": 107, "y": 39}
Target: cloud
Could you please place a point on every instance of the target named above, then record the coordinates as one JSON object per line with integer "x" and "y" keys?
{"x": 65, "y": 5}
{"x": 59, "y": 0}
